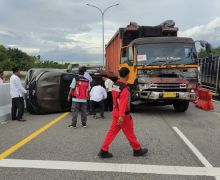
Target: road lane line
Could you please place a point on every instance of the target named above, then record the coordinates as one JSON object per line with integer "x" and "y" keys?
{"x": 203, "y": 160}
{"x": 196, "y": 152}
{"x": 111, "y": 167}
{"x": 216, "y": 101}
{"x": 20, "y": 144}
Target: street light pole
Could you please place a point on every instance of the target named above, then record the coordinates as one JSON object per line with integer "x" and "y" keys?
{"x": 103, "y": 42}
{"x": 103, "y": 27}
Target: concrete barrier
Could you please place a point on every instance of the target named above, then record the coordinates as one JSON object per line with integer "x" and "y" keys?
{"x": 5, "y": 102}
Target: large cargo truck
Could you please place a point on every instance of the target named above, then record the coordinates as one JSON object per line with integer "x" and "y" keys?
{"x": 163, "y": 67}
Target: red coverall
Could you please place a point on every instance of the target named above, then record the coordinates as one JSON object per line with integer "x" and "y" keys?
{"x": 127, "y": 126}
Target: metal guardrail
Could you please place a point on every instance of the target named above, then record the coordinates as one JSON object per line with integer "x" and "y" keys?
{"x": 5, "y": 94}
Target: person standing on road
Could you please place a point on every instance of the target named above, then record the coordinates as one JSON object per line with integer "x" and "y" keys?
{"x": 79, "y": 90}
{"x": 97, "y": 97}
{"x": 121, "y": 118}
{"x": 108, "y": 86}
{"x": 89, "y": 78}
{"x": 1, "y": 76}
{"x": 17, "y": 92}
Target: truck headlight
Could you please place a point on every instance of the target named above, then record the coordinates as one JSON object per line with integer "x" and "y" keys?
{"x": 192, "y": 90}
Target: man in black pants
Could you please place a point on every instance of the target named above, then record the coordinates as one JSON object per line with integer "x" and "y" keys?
{"x": 17, "y": 91}
{"x": 97, "y": 97}
{"x": 108, "y": 86}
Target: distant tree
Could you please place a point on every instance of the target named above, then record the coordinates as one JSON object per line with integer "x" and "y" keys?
{"x": 3, "y": 53}
{"x": 215, "y": 52}
{"x": 202, "y": 53}
{"x": 7, "y": 64}
{"x": 10, "y": 57}
{"x": 16, "y": 55}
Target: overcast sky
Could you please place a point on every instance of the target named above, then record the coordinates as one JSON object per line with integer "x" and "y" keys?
{"x": 71, "y": 31}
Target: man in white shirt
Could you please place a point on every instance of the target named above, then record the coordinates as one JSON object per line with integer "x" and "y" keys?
{"x": 17, "y": 92}
{"x": 108, "y": 86}
{"x": 1, "y": 76}
{"x": 97, "y": 97}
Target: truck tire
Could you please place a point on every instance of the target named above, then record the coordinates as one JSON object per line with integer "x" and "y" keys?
{"x": 181, "y": 106}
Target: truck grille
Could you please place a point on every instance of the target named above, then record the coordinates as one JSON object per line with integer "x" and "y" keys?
{"x": 168, "y": 86}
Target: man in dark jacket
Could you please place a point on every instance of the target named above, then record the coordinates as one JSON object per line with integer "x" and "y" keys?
{"x": 121, "y": 118}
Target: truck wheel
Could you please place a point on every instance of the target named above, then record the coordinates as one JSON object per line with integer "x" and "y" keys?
{"x": 181, "y": 106}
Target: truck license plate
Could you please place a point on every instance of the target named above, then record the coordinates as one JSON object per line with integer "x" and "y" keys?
{"x": 169, "y": 95}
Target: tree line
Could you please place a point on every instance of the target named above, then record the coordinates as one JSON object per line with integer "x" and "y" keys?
{"x": 215, "y": 52}
{"x": 11, "y": 57}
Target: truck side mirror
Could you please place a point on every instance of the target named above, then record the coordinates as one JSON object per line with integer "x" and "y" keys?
{"x": 208, "y": 48}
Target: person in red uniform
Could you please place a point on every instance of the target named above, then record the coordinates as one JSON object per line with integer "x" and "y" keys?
{"x": 121, "y": 118}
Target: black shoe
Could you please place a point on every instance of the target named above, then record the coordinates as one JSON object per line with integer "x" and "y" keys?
{"x": 141, "y": 152}
{"x": 84, "y": 125}
{"x": 104, "y": 154}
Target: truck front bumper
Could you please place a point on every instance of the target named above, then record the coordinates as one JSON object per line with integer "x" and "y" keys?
{"x": 152, "y": 95}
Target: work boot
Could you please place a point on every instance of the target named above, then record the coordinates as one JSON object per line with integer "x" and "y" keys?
{"x": 104, "y": 154}
{"x": 141, "y": 152}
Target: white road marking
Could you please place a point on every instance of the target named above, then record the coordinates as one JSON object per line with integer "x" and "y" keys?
{"x": 216, "y": 101}
{"x": 111, "y": 167}
{"x": 196, "y": 152}
{"x": 203, "y": 160}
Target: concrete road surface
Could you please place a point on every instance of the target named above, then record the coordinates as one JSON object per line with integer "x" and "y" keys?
{"x": 181, "y": 146}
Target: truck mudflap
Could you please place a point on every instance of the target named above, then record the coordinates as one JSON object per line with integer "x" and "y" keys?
{"x": 152, "y": 95}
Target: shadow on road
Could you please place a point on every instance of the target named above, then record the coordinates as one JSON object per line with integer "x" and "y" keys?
{"x": 153, "y": 109}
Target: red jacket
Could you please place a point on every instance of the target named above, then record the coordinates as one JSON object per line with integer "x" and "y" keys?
{"x": 81, "y": 90}
{"x": 121, "y": 99}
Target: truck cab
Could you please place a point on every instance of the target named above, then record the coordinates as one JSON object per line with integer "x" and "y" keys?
{"x": 163, "y": 70}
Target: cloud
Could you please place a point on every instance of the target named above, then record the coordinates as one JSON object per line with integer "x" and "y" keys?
{"x": 209, "y": 32}
{"x": 30, "y": 50}
{"x": 71, "y": 31}
{"x": 4, "y": 33}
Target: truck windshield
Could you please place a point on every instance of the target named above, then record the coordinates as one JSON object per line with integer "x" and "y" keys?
{"x": 165, "y": 54}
